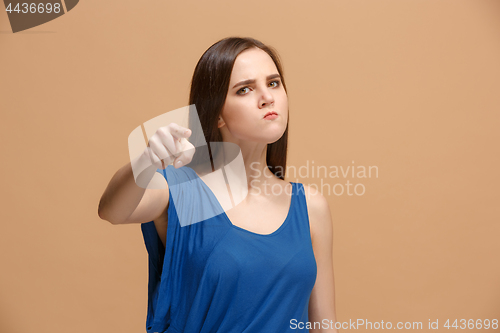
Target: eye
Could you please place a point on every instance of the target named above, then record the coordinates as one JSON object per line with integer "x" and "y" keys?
{"x": 277, "y": 83}
{"x": 238, "y": 92}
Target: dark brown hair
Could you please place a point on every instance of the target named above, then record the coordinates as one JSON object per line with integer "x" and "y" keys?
{"x": 209, "y": 87}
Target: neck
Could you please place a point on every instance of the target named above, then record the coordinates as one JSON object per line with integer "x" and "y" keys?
{"x": 254, "y": 156}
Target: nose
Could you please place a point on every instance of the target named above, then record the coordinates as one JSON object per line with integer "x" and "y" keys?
{"x": 266, "y": 98}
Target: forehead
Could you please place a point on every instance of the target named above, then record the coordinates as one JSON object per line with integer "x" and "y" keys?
{"x": 252, "y": 63}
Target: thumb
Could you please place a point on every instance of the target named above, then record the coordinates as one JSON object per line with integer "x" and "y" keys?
{"x": 185, "y": 157}
{"x": 179, "y": 162}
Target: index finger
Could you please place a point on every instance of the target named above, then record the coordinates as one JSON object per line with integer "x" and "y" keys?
{"x": 178, "y": 131}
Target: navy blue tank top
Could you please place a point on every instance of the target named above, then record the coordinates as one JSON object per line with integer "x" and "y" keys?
{"x": 215, "y": 277}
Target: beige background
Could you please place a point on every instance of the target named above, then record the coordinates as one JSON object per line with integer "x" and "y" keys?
{"x": 411, "y": 87}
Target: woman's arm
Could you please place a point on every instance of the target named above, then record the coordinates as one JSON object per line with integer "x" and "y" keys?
{"x": 322, "y": 300}
{"x": 124, "y": 201}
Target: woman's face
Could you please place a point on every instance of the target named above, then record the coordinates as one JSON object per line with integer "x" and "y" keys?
{"x": 247, "y": 103}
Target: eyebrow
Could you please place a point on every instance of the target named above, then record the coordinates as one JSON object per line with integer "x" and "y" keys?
{"x": 269, "y": 77}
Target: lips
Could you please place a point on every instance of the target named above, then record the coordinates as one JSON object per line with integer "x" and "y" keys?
{"x": 270, "y": 113}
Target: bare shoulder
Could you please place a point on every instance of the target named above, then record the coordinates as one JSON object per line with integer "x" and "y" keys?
{"x": 317, "y": 204}
{"x": 319, "y": 211}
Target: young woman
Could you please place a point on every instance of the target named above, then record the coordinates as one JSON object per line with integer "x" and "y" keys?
{"x": 264, "y": 265}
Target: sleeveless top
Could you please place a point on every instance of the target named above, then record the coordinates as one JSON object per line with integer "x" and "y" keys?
{"x": 215, "y": 277}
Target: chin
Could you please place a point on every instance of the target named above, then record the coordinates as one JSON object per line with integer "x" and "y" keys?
{"x": 273, "y": 138}
{"x": 261, "y": 135}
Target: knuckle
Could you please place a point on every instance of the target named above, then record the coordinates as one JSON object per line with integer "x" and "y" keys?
{"x": 151, "y": 142}
{"x": 172, "y": 126}
{"x": 155, "y": 146}
{"x": 161, "y": 133}
{"x": 164, "y": 131}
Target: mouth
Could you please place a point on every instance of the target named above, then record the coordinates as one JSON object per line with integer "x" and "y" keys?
{"x": 271, "y": 115}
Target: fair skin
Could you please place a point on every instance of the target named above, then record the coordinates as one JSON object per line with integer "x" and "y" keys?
{"x": 262, "y": 211}
{"x": 242, "y": 123}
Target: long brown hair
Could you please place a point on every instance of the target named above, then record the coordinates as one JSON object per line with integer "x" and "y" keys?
{"x": 209, "y": 87}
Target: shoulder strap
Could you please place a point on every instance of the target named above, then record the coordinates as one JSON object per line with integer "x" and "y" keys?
{"x": 300, "y": 208}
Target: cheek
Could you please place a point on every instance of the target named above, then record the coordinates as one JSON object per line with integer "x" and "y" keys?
{"x": 284, "y": 104}
{"x": 235, "y": 111}
{"x": 233, "y": 116}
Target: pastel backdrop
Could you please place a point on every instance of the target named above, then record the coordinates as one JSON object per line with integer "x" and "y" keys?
{"x": 408, "y": 87}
